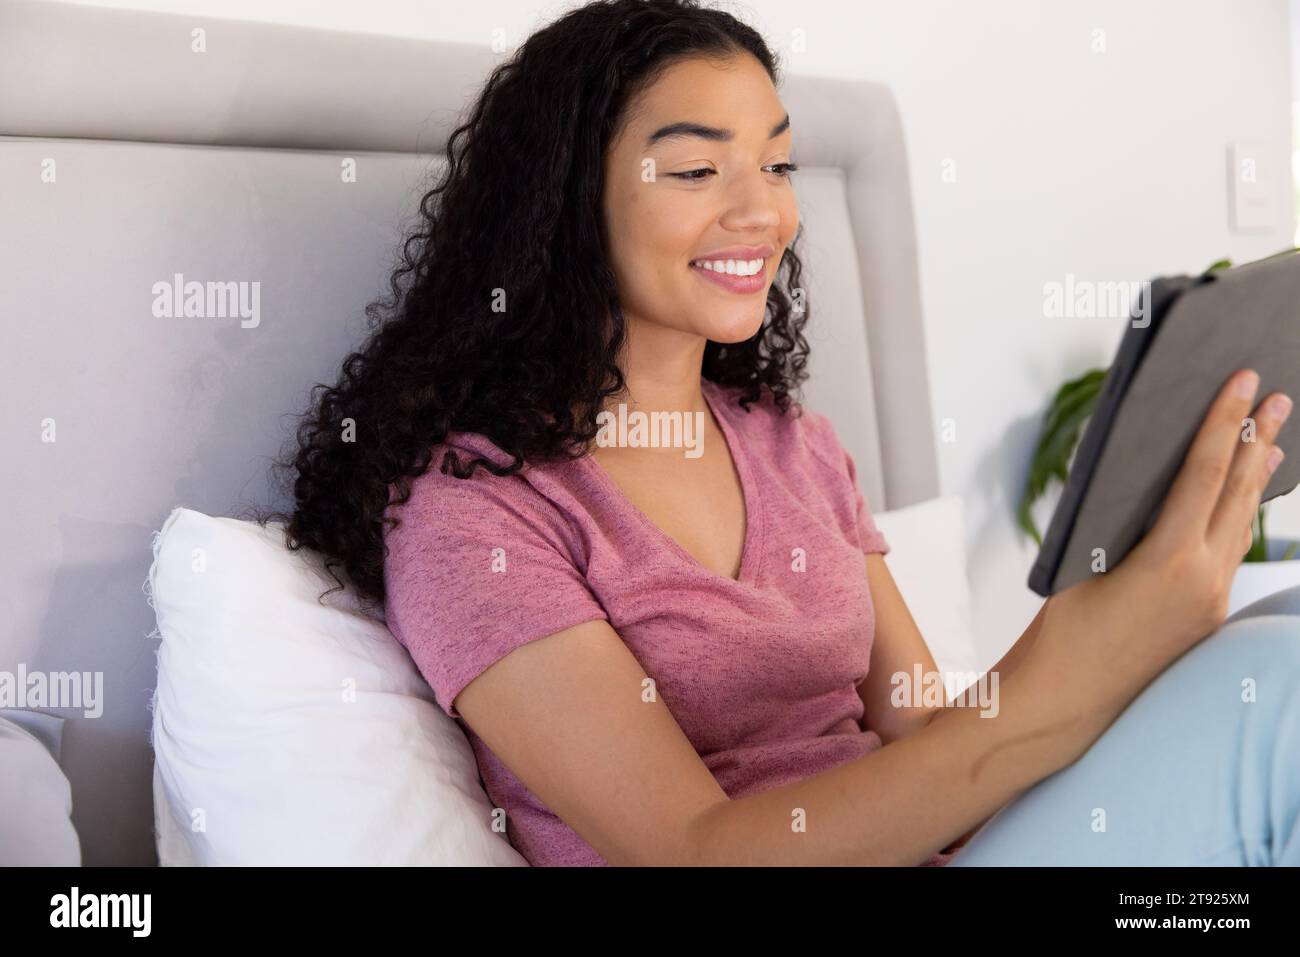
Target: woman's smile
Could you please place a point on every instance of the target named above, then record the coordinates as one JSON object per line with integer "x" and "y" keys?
{"x": 742, "y": 270}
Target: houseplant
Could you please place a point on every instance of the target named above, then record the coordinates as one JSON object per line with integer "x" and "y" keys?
{"x": 1266, "y": 567}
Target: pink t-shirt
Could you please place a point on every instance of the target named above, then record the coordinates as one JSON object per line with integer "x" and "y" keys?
{"x": 760, "y": 672}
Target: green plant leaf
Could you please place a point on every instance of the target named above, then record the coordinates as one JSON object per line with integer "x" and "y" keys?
{"x": 1063, "y": 423}
{"x": 1258, "y": 551}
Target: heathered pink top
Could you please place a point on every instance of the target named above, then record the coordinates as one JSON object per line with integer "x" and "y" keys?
{"x": 760, "y": 672}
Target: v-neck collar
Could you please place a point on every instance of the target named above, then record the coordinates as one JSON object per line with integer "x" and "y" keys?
{"x": 750, "y": 550}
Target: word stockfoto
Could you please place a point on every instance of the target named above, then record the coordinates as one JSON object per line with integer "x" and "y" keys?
{"x": 208, "y": 300}
{"x": 654, "y": 430}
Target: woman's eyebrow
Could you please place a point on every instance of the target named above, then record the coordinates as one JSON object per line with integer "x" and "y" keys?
{"x": 684, "y": 129}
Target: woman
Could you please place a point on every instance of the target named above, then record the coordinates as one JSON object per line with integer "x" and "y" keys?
{"x": 677, "y": 648}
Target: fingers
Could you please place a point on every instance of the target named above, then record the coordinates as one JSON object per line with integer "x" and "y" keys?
{"x": 1249, "y": 473}
{"x": 1198, "y": 485}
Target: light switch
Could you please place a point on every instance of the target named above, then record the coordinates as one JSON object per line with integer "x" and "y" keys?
{"x": 1253, "y": 198}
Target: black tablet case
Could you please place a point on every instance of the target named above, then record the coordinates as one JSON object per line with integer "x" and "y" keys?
{"x": 1154, "y": 397}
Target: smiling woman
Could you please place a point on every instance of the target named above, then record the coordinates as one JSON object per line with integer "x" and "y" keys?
{"x": 629, "y": 636}
{"x": 662, "y": 658}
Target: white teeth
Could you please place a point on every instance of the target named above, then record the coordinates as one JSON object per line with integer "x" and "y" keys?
{"x": 733, "y": 267}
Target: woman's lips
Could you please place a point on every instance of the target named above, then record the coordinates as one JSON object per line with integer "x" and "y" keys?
{"x": 742, "y": 285}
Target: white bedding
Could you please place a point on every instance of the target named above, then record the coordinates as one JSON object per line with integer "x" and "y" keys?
{"x": 35, "y": 796}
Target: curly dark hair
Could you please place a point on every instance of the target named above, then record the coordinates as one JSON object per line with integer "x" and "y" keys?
{"x": 440, "y": 359}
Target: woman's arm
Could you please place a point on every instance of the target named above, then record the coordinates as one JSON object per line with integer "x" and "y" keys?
{"x": 570, "y": 716}
{"x": 898, "y": 646}
{"x": 1008, "y": 663}
{"x": 1006, "y": 666}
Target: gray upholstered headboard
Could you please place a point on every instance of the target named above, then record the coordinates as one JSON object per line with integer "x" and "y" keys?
{"x": 128, "y": 159}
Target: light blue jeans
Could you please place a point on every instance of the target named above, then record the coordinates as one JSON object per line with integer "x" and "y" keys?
{"x": 1193, "y": 772}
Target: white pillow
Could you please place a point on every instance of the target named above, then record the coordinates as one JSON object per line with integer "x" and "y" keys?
{"x": 927, "y": 559}
{"x": 287, "y": 731}
{"x": 35, "y": 797}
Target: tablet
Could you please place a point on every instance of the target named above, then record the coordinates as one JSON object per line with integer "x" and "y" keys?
{"x": 1177, "y": 352}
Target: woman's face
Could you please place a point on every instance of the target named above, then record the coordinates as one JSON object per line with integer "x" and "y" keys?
{"x": 735, "y": 205}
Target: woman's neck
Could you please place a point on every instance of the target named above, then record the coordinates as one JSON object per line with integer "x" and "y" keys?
{"x": 661, "y": 370}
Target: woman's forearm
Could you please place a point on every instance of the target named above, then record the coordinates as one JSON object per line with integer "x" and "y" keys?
{"x": 901, "y": 803}
{"x": 1004, "y": 668}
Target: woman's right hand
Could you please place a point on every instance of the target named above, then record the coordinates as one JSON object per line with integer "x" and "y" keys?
{"x": 1103, "y": 640}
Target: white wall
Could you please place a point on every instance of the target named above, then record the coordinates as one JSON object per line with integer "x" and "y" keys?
{"x": 1295, "y": 107}
{"x": 1108, "y": 165}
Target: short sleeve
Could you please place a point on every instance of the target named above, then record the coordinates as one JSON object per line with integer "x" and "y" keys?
{"x": 870, "y": 538}
{"x": 477, "y": 568}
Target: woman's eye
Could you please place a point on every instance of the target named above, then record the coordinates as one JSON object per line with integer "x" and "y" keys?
{"x": 692, "y": 174}
{"x": 780, "y": 169}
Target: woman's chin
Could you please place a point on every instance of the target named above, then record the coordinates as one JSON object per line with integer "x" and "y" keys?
{"x": 743, "y": 327}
